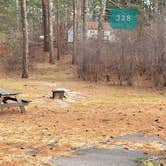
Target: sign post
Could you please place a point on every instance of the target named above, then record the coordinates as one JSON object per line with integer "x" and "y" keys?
{"x": 125, "y": 18}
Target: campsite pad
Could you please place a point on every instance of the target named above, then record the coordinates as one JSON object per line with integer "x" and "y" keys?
{"x": 139, "y": 137}
{"x": 116, "y": 156}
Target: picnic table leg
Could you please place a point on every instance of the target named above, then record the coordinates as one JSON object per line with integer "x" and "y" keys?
{"x": 22, "y": 108}
{"x": 1, "y": 101}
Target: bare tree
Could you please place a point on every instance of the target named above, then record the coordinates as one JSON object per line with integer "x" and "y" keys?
{"x": 25, "y": 57}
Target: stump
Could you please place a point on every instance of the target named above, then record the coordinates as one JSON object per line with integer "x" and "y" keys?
{"x": 58, "y": 94}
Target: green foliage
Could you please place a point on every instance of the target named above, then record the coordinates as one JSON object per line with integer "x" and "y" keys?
{"x": 34, "y": 10}
{"x": 150, "y": 163}
{"x": 7, "y": 14}
{"x": 2, "y": 36}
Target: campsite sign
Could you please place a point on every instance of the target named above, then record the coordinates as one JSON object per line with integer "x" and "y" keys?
{"x": 123, "y": 18}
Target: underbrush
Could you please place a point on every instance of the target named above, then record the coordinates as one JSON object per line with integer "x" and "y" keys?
{"x": 151, "y": 163}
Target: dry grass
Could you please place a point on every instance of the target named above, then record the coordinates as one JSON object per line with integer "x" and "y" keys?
{"x": 101, "y": 113}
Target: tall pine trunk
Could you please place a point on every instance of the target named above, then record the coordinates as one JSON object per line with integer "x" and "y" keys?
{"x": 100, "y": 30}
{"x": 45, "y": 7}
{"x": 101, "y": 20}
{"x": 25, "y": 46}
{"x": 85, "y": 18}
{"x": 74, "y": 31}
{"x": 58, "y": 31}
{"x": 17, "y": 15}
{"x": 84, "y": 32}
{"x": 51, "y": 38}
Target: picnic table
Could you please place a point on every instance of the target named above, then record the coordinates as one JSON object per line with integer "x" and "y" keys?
{"x": 10, "y": 99}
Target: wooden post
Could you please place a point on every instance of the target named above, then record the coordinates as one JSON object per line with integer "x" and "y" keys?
{"x": 58, "y": 94}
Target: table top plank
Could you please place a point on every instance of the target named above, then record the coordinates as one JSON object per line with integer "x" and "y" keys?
{"x": 7, "y": 92}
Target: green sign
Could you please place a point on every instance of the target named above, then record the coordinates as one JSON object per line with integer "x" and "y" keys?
{"x": 125, "y": 18}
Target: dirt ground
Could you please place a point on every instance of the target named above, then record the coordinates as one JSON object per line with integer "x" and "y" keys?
{"x": 92, "y": 116}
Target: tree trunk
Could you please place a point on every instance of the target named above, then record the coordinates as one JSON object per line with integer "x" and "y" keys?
{"x": 100, "y": 30}
{"x": 84, "y": 32}
{"x": 74, "y": 31}
{"x": 25, "y": 58}
{"x": 45, "y": 24}
{"x": 51, "y": 38}
{"x": 17, "y": 15}
{"x": 101, "y": 19}
{"x": 58, "y": 31}
{"x": 85, "y": 18}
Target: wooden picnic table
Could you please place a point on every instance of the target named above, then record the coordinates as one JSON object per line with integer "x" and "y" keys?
{"x": 10, "y": 99}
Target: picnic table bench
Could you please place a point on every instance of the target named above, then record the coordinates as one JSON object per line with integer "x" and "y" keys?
{"x": 10, "y": 99}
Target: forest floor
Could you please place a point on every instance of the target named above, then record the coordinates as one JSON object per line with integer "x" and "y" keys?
{"x": 91, "y": 115}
